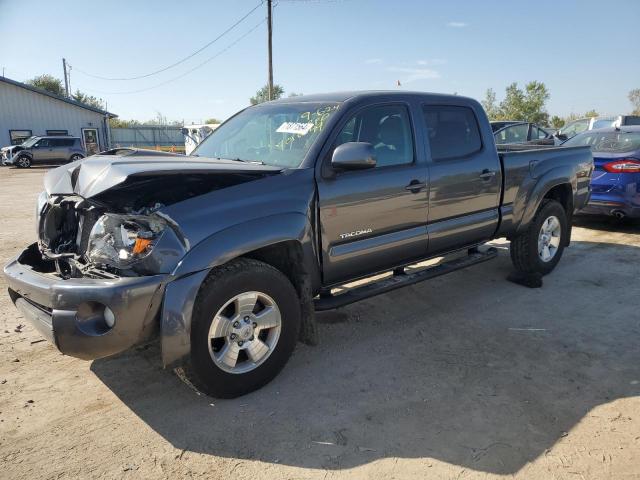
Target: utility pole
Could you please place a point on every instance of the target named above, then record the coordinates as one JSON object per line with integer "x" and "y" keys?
{"x": 269, "y": 33}
{"x": 66, "y": 79}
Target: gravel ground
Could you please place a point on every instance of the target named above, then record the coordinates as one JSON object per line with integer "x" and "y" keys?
{"x": 465, "y": 376}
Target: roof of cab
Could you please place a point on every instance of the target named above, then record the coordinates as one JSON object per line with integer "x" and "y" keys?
{"x": 359, "y": 95}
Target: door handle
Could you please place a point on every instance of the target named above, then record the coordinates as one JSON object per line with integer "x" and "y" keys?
{"x": 487, "y": 174}
{"x": 415, "y": 186}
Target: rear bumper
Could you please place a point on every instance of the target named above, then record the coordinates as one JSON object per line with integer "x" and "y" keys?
{"x": 70, "y": 313}
{"x": 613, "y": 205}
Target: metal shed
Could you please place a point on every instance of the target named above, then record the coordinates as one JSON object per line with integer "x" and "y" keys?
{"x": 27, "y": 111}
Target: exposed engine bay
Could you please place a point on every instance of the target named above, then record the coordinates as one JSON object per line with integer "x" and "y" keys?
{"x": 114, "y": 232}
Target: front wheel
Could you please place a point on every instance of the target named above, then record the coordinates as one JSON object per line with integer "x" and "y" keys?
{"x": 539, "y": 248}
{"x": 244, "y": 329}
{"x": 75, "y": 157}
{"x": 23, "y": 162}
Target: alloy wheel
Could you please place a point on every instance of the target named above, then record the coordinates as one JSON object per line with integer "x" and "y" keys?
{"x": 244, "y": 332}
{"x": 549, "y": 238}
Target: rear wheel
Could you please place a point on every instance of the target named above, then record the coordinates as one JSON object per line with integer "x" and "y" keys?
{"x": 539, "y": 248}
{"x": 75, "y": 157}
{"x": 23, "y": 162}
{"x": 244, "y": 329}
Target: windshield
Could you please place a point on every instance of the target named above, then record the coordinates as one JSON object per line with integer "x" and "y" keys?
{"x": 30, "y": 142}
{"x": 603, "y": 123}
{"x": 275, "y": 134}
{"x": 614, "y": 142}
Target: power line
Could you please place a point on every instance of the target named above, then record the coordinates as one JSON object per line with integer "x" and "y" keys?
{"x": 188, "y": 71}
{"x": 179, "y": 61}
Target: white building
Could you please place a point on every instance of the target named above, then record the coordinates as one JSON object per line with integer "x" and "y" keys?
{"x": 26, "y": 111}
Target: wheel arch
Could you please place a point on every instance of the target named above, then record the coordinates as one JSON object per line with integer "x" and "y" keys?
{"x": 558, "y": 184}
{"x": 285, "y": 243}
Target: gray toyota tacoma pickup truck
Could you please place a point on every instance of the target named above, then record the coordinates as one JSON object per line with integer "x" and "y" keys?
{"x": 227, "y": 253}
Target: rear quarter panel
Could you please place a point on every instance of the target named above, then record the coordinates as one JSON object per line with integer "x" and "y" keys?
{"x": 530, "y": 174}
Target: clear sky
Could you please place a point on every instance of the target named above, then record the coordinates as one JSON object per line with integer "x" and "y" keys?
{"x": 585, "y": 51}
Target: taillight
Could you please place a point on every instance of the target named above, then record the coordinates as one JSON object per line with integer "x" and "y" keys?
{"x": 626, "y": 165}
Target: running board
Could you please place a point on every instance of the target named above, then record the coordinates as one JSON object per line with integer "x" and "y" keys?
{"x": 387, "y": 284}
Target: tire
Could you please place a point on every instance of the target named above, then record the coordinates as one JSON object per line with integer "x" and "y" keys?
{"x": 22, "y": 162}
{"x": 525, "y": 248}
{"x": 75, "y": 156}
{"x": 210, "y": 369}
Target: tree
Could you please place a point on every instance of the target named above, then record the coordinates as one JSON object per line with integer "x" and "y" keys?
{"x": 591, "y": 113}
{"x": 527, "y": 105}
{"x": 54, "y": 85}
{"x": 121, "y": 123}
{"x": 262, "y": 95}
{"x": 88, "y": 100}
{"x": 557, "y": 122}
{"x": 511, "y": 108}
{"x": 634, "y": 98}
{"x": 212, "y": 120}
{"x": 47, "y": 82}
{"x": 490, "y": 105}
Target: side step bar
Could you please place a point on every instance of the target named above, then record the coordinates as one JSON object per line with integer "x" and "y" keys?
{"x": 329, "y": 302}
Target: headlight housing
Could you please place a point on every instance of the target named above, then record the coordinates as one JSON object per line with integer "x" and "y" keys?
{"x": 43, "y": 198}
{"x": 121, "y": 240}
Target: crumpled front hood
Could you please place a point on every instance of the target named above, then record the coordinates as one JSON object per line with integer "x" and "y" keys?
{"x": 94, "y": 175}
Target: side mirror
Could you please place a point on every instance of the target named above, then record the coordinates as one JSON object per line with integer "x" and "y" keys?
{"x": 353, "y": 156}
{"x": 562, "y": 137}
{"x": 185, "y": 131}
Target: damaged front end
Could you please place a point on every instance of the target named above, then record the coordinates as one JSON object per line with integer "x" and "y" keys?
{"x": 80, "y": 237}
{"x": 95, "y": 280}
{"x": 122, "y": 231}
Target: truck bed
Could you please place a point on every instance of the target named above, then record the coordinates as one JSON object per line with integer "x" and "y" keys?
{"x": 524, "y": 167}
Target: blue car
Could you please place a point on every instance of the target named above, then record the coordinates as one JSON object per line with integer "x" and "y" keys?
{"x": 615, "y": 184}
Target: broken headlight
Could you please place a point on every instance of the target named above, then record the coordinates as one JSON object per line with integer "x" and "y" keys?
{"x": 121, "y": 240}
{"x": 43, "y": 198}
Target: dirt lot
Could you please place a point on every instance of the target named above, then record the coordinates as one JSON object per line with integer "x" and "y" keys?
{"x": 466, "y": 376}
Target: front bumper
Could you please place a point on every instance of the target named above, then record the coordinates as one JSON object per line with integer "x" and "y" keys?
{"x": 69, "y": 312}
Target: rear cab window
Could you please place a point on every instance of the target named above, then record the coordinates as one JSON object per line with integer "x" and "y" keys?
{"x": 452, "y": 131}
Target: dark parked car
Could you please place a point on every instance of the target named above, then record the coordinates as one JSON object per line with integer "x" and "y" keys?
{"x": 511, "y": 132}
{"x": 228, "y": 253}
{"x": 47, "y": 150}
{"x": 615, "y": 184}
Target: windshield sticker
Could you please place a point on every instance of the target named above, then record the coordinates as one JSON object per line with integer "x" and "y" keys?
{"x": 295, "y": 127}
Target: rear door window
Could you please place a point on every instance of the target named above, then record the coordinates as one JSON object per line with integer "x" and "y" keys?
{"x": 537, "y": 133}
{"x": 452, "y": 131}
{"x": 513, "y": 134}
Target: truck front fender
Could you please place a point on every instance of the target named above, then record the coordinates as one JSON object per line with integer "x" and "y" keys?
{"x": 221, "y": 247}
{"x": 242, "y": 238}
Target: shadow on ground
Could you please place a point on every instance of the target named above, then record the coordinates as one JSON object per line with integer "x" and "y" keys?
{"x": 468, "y": 369}
{"x": 607, "y": 224}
